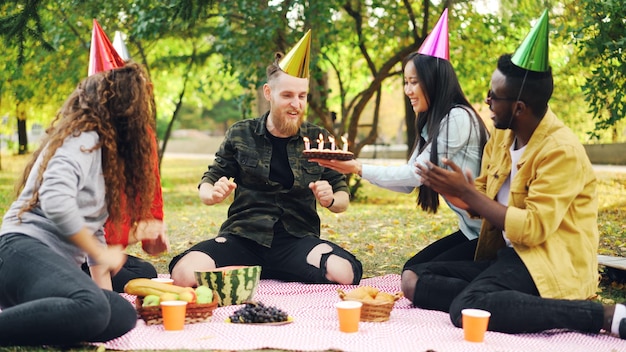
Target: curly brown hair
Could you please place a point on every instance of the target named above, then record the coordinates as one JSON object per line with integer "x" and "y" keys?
{"x": 119, "y": 105}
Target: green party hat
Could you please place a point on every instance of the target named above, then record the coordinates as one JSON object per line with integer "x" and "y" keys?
{"x": 296, "y": 62}
{"x": 532, "y": 55}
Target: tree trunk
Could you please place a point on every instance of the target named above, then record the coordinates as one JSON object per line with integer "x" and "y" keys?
{"x": 179, "y": 104}
{"x": 170, "y": 126}
{"x": 262, "y": 105}
{"x": 22, "y": 136}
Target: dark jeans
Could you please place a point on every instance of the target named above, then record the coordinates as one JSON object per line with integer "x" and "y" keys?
{"x": 505, "y": 288}
{"x": 286, "y": 260}
{"x": 133, "y": 268}
{"x": 453, "y": 247}
{"x": 47, "y": 300}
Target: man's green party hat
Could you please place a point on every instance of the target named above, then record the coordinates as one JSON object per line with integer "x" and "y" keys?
{"x": 532, "y": 55}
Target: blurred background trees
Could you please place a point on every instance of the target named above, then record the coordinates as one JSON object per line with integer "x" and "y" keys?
{"x": 207, "y": 58}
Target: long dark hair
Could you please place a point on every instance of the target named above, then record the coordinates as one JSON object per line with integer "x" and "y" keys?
{"x": 441, "y": 87}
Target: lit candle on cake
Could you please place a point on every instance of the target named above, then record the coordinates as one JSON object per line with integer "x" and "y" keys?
{"x": 344, "y": 140}
{"x": 307, "y": 143}
{"x": 331, "y": 139}
{"x": 320, "y": 142}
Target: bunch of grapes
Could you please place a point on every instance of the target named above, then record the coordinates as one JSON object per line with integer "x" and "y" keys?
{"x": 257, "y": 312}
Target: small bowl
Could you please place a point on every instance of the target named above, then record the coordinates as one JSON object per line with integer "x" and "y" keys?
{"x": 233, "y": 284}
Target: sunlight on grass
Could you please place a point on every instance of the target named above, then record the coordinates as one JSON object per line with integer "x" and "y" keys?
{"x": 382, "y": 228}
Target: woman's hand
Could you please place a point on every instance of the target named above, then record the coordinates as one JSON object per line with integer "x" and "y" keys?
{"x": 153, "y": 236}
{"x": 111, "y": 258}
{"x": 343, "y": 166}
{"x": 108, "y": 258}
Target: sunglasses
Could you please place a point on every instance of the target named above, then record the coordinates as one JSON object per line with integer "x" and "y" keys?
{"x": 492, "y": 97}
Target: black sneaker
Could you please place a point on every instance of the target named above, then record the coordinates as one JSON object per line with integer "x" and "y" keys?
{"x": 622, "y": 329}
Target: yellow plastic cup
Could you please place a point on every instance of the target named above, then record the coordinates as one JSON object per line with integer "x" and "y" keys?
{"x": 475, "y": 322}
{"x": 173, "y": 315}
{"x": 348, "y": 313}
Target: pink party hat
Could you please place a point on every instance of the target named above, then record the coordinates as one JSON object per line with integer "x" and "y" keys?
{"x": 436, "y": 44}
{"x": 102, "y": 55}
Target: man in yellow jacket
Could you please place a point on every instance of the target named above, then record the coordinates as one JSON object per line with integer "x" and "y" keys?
{"x": 536, "y": 261}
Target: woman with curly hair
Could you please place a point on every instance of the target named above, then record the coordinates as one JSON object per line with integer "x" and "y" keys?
{"x": 99, "y": 145}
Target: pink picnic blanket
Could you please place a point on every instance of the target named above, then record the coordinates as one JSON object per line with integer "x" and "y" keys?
{"x": 315, "y": 328}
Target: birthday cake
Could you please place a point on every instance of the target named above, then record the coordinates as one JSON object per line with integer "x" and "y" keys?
{"x": 335, "y": 154}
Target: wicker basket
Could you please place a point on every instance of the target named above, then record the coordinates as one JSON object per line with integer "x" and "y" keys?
{"x": 195, "y": 313}
{"x": 373, "y": 310}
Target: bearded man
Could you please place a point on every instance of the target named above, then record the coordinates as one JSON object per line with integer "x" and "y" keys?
{"x": 273, "y": 220}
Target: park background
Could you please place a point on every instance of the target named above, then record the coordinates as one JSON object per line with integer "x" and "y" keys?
{"x": 207, "y": 60}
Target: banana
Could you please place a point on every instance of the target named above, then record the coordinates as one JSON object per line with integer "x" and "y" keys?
{"x": 145, "y": 287}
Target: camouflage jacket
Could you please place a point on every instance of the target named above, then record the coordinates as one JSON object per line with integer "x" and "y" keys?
{"x": 259, "y": 202}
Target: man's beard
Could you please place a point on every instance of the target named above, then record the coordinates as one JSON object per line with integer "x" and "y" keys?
{"x": 288, "y": 127}
{"x": 504, "y": 125}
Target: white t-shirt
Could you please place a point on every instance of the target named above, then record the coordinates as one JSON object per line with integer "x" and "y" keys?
{"x": 503, "y": 193}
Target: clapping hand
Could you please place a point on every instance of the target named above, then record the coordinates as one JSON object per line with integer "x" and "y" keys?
{"x": 452, "y": 184}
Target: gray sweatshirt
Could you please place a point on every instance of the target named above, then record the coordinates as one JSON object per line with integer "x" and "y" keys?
{"x": 71, "y": 196}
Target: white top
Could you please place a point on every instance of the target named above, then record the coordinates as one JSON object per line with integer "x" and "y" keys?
{"x": 503, "y": 194}
{"x": 459, "y": 143}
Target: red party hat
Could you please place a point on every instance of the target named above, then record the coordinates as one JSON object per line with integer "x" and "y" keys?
{"x": 436, "y": 44}
{"x": 102, "y": 55}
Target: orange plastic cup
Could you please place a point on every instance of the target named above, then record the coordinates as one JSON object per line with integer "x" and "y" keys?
{"x": 173, "y": 315}
{"x": 163, "y": 280}
{"x": 475, "y": 323}
{"x": 349, "y": 313}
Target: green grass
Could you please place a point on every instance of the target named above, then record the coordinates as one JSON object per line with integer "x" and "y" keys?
{"x": 382, "y": 228}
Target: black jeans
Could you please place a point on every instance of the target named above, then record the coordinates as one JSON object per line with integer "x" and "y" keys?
{"x": 505, "y": 288}
{"x": 454, "y": 246}
{"x": 286, "y": 260}
{"x": 47, "y": 300}
{"x": 133, "y": 268}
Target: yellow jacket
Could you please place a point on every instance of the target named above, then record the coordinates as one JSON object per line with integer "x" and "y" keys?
{"x": 552, "y": 212}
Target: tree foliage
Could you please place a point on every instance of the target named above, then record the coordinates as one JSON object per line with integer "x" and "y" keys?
{"x": 58, "y": 53}
{"x": 200, "y": 52}
{"x": 601, "y": 38}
